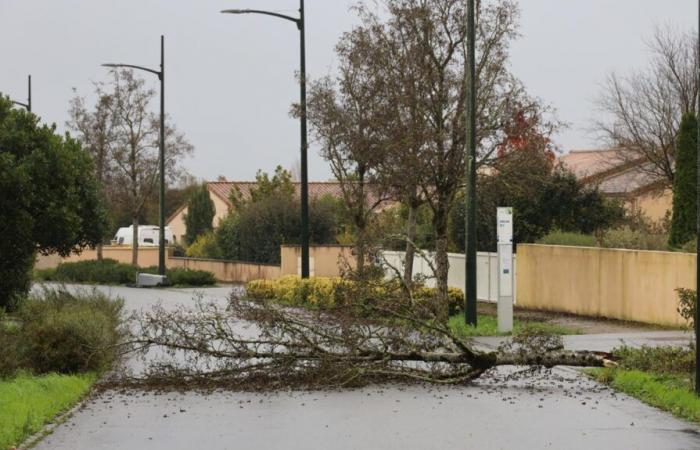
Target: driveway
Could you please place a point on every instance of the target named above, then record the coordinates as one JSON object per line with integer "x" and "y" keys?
{"x": 560, "y": 409}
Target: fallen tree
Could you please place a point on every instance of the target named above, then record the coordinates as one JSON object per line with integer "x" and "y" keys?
{"x": 257, "y": 344}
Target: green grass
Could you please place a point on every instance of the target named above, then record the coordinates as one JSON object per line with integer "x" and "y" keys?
{"x": 488, "y": 326}
{"x": 28, "y": 402}
{"x": 669, "y": 392}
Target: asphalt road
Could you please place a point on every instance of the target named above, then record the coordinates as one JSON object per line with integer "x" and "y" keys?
{"x": 559, "y": 410}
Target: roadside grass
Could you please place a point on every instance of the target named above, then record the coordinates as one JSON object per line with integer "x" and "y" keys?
{"x": 669, "y": 392}
{"x": 488, "y": 326}
{"x": 28, "y": 402}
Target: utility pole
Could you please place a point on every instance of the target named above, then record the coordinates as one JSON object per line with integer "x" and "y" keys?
{"x": 470, "y": 148}
{"x": 697, "y": 249}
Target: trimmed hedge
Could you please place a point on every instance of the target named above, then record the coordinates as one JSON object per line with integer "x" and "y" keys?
{"x": 111, "y": 272}
{"x": 328, "y": 293}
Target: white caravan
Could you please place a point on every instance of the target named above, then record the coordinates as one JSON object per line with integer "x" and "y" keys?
{"x": 148, "y": 236}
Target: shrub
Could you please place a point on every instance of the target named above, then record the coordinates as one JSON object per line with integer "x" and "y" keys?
{"x": 568, "y": 238}
{"x": 626, "y": 237}
{"x": 178, "y": 276}
{"x": 107, "y": 271}
{"x": 69, "y": 333}
{"x": 455, "y": 297}
{"x": 205, "y": 246}
{"x": 690, "y": 246}
{"x": 687, "y": 303}
{"x": 661, "y": 360}
{"x": 10, "y": 359}
{"x": 255, "y": 230}
{"x": 328, "y": 293}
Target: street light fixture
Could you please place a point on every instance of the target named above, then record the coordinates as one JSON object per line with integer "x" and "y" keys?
{"x": 27, "y": 105}
{"x": 301, "y": 25}
{"x": 161, "y": 157}
{"x": 470, "y": 148}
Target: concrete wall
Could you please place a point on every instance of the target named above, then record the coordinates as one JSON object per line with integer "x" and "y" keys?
{"x": 621, "y": 284}
{"x": 225, "y": 271}
{"x": 324, "y": 260}
{"x": 229, "y": 271}
{"x": 148, "y": 256}
{"x": 654, "y": 204}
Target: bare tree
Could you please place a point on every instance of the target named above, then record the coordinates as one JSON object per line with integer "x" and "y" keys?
{"x": 256, "y": 344}
{"x": 96, "y": 131}
{"x": 135, "y": 153}
{"x": 346, "y": 117}
{"x": 428, "y": 37}
{"x": 642, "y": 110}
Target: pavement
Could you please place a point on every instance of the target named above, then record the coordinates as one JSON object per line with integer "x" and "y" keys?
{"x": 558, "y": 409}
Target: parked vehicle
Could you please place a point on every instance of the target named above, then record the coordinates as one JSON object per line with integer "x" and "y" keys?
{"x": 148, "y": 235}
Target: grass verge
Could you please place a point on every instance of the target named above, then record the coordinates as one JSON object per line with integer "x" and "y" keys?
{"x": 29, "y": 402}
{"x": 488, "y": 326}
{"x": 669, "y": 392}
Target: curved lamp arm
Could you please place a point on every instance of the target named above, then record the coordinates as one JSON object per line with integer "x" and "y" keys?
{"x": 131, "y": 66}
{"x": 265, "y": 13}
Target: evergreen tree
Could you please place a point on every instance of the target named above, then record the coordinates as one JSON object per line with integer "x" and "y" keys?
{"x": 685, "y": 183}
{"x": 200, "y": 214}
{"x": 49, "y": 201}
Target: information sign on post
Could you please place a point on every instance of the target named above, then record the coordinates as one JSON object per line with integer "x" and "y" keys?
{"x": 504, "y": 218}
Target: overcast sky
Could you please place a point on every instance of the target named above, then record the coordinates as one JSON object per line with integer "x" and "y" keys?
{"x": 229, "y": 79}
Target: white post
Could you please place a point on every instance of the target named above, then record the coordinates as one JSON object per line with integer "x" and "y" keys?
{"x": 504, "y": 218}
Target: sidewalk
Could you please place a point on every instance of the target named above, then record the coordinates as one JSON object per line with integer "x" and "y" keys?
{"x": 608, "y": 341}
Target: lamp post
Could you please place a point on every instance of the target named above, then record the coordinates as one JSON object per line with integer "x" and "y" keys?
{"x": 161, "y": 157}
{"x": 27, "y": 105}
{"x": 697, "y": 249}
{"x": 300, "y": 23}
{"x": 470, "y": 148}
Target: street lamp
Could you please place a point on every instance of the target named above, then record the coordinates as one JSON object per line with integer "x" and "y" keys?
{"x": 161, "y": 214}
{"x": 300, "y": 22}
{"x": 697, "y": 249}
{"x": 27, "y": 105}
{"x": 470, "y": 148}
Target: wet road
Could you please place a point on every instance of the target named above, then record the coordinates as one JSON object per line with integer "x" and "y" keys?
{"x": 558, "y": 410}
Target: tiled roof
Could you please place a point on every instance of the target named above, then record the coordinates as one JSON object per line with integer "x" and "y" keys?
{"x": 610, "y": 169}
{"x": 317, "y": 189}
{"x": 588, "y": 163}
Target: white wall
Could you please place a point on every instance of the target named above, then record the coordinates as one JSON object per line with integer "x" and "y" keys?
{"x": 486, "y": 271}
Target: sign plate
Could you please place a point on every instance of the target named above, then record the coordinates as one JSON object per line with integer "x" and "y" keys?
{"x": 504, "y": 217}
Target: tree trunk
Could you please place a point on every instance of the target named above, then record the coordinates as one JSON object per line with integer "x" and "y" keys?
{"x": 410, "y": 249}
{"x": 442, "y": 263}
{"x": 135, "y": 241}
{"x": 361, "y": 223}
{"x": 99, "y": 252}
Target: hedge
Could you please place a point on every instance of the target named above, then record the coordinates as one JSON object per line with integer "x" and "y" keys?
{"x": 111, "y": 272}
{"x": 322, "y": 292}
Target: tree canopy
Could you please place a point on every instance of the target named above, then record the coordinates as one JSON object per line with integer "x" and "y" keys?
{"x": 200, "y": 214}
{"x": 683, "y": 223}
{"x": 49, "y": 200}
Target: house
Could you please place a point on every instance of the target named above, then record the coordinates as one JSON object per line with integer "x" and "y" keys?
{"x": 623, "y": 178}
{"x": 220, "y": 193}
